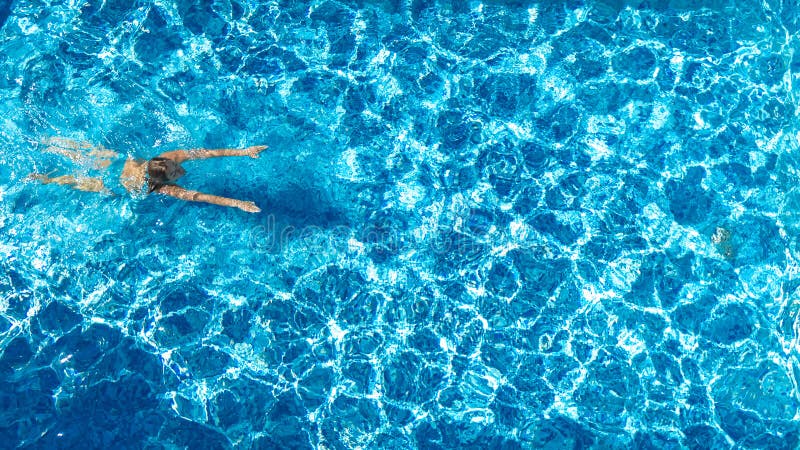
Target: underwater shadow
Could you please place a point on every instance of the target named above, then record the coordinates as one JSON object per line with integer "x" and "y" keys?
{"x": 305, "y": 206}
{"x": 6, "y": 6}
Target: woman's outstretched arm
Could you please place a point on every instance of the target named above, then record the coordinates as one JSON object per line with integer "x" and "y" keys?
{"x": 202, "y": 153}
{"x": 194, "y": 196}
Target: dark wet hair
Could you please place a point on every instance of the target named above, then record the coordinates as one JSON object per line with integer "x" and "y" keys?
{"x": 161, "y": 172}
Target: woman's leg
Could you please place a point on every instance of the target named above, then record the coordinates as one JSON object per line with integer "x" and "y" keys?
{"x": 86, "y": 184}
{"x": 80, "y": 151}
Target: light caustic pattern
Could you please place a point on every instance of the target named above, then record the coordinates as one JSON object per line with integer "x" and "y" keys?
{"x": 486, "y": 225}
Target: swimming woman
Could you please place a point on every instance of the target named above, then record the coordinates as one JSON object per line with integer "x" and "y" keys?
{"x": 143, "y": 176}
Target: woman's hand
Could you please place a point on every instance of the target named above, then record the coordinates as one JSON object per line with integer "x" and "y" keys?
{"x": 255, "y": 150}
{"x": 248, "y": 206}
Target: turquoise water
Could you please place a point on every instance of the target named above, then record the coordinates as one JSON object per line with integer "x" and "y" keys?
{"x": 485, "y": 225}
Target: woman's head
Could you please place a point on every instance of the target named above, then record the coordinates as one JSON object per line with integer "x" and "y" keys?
{"x": 161, "y": 171}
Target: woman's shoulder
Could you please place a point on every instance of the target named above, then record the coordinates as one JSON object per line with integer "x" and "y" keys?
{"x": 133, "y": 175}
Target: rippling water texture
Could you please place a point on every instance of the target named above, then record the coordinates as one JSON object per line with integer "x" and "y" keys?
{"x": 485, "y": 225}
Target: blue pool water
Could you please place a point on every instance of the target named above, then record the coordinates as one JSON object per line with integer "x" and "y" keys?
{"x": 497, "y": 224}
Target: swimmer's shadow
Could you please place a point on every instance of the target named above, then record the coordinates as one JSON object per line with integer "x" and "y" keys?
{"x": 307, "y": 205}
{"x": 295, "y": 204}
